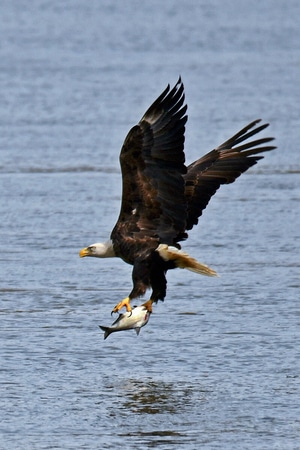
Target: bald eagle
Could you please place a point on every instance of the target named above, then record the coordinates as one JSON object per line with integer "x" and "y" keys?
{"x": 163, "y": 198}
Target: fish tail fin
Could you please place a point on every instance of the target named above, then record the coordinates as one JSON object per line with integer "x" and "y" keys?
{"x": 106, "y": 331}
{"x": 184, "y": 261}
{"x": 137, "y": 330}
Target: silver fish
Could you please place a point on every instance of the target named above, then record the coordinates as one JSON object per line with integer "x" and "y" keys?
{"x": 134, "y": 320}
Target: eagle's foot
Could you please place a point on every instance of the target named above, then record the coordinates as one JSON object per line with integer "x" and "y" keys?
{"x": 148, "y": 305}
{"x": 125, "y": 302}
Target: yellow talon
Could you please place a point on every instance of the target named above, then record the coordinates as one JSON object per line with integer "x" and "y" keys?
{"x": 125, "y": 302}
{"x": 148, "y": 305}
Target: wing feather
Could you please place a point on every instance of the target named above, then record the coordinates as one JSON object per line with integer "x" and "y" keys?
{"x": 153, "y": 163}
{"x": 222, "y": 166}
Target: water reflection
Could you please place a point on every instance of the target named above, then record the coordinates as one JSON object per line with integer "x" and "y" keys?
{"x": 168, "y": 403}
{"x": 154, "y": 438}
{"x": 158, "y": 397}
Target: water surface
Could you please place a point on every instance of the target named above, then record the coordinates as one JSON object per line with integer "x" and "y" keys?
{"x": 217, "y": 367}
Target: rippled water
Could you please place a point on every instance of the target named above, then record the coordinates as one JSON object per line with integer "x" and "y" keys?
{"x": 217, "y": 367}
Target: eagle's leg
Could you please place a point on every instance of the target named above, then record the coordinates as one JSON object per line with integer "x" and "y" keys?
{"x": 148, "y": 305}
{"x": 125, "y": 302}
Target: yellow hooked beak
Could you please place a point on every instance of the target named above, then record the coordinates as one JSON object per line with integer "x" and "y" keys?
{"x": 85, "y": 252}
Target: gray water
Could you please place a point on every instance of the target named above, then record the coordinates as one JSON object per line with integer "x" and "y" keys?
{"x": 217, "y": 367}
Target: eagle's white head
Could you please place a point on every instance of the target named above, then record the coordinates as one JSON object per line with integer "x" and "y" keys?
{"x": 98, "y": 250}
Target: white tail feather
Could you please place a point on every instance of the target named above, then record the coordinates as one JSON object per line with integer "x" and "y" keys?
{"x": 184, "y": 261}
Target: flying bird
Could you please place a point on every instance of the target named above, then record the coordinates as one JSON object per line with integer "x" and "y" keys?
{"x": 163, "y": 198}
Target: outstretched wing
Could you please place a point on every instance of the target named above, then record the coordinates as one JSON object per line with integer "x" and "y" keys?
{"x": 152, "y": 163}
{"x": 222, "y": 166}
